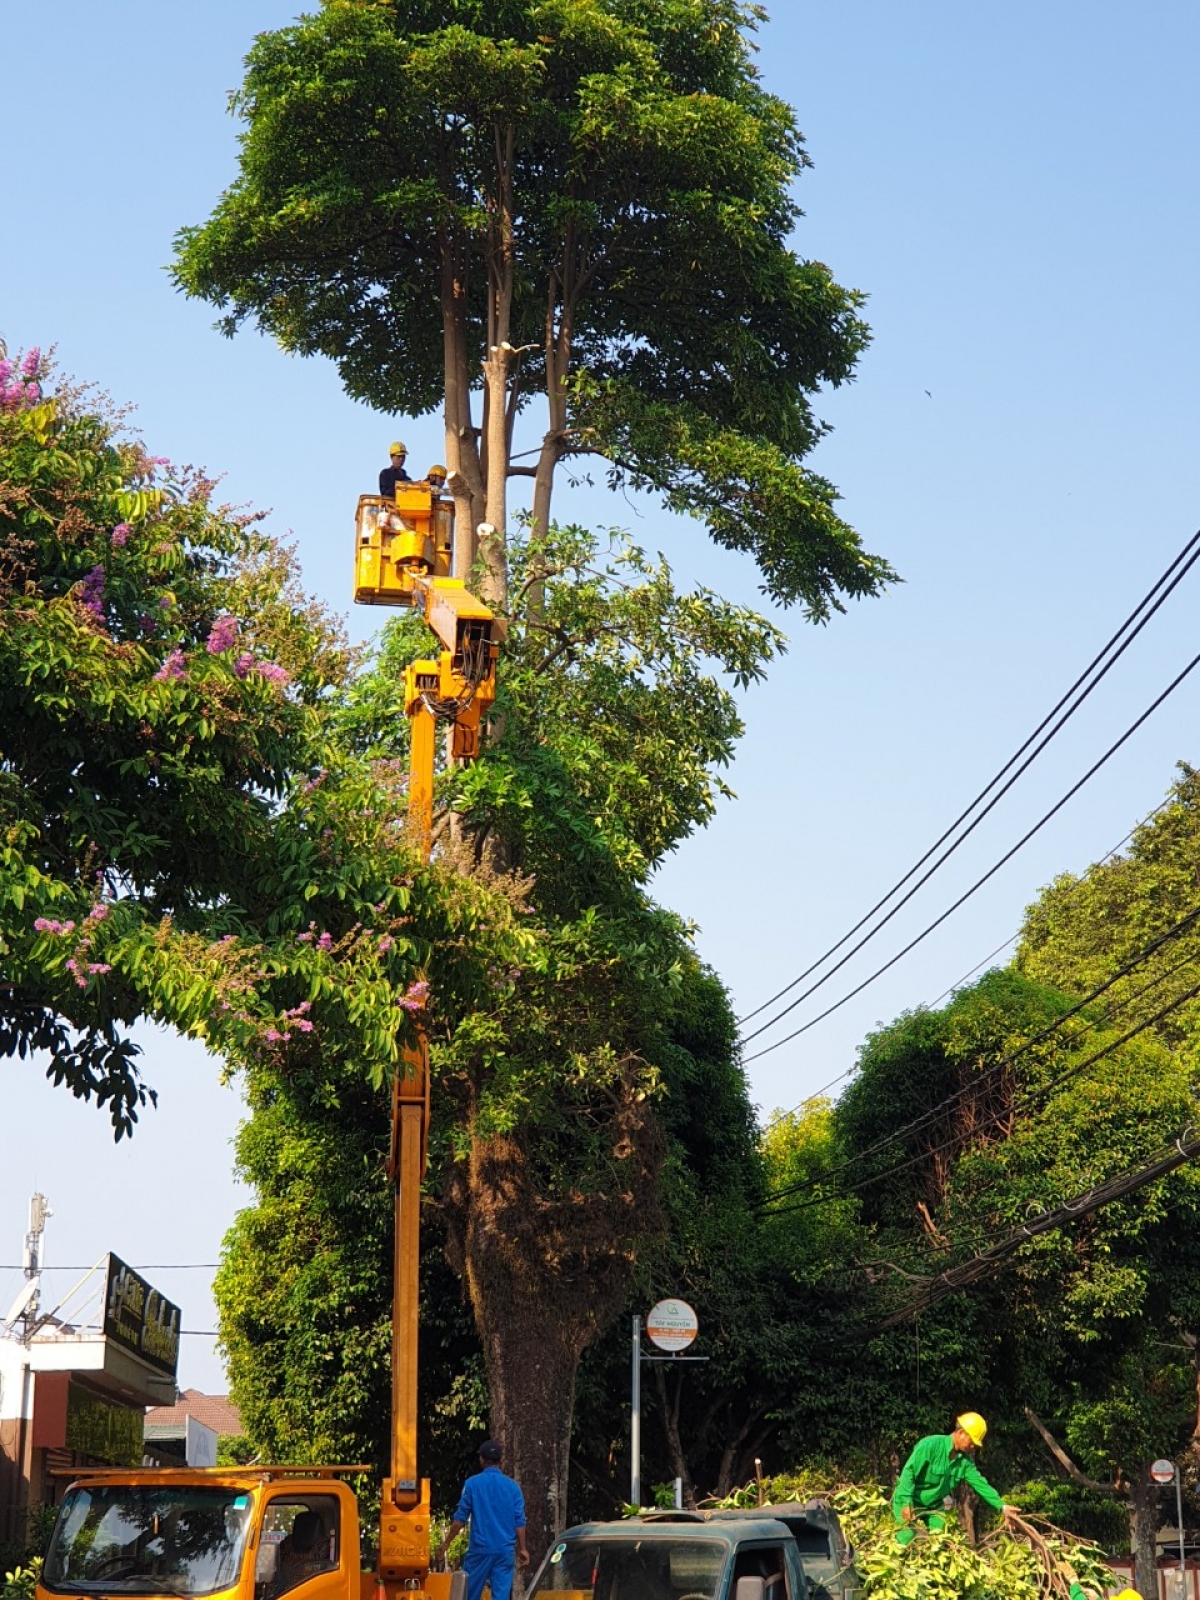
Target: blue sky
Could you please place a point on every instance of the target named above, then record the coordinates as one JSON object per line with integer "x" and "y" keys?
{"x": 1015, "y": 188}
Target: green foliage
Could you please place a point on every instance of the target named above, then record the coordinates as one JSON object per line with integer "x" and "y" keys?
{"x": 1033, "y": 1563}
{"x": 602, "y": 181}
{"x": 1081, "y": 930}
{"x": 235, "y": 1450}
{"x": 179, "y": 838}
{"x": 618, "y": 715}
{"x": 21, "y": 1584}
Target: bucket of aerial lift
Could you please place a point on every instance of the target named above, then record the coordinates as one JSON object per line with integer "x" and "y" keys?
{"x": 398, "y": 540}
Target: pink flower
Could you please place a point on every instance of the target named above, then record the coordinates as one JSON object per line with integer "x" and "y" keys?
{"x": 120, "y": 534}
{"x": 325, "y": 942}
{"x": 52, "y": 925}
{"x": 99, "y": 966}
{"x": 172, "y": 668}
{"x": 98, "y": 912}
{"x": 385, "y": 944}
{"x": 223, "y": 635}
{"x": 91, "y": 593}
{"x": 273, "y": 673}
{"x": 243, "y": 664}
{"x": 31, "y": 363}
{"x": 414, "y": 997}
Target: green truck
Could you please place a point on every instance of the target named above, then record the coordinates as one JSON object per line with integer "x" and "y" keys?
{"x": 788, "y": 1552}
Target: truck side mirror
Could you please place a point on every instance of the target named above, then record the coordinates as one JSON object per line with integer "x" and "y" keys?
{"x": 751, "y": 1589}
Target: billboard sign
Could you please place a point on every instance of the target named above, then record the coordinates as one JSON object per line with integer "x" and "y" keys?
{"x": 139, "y": 1319}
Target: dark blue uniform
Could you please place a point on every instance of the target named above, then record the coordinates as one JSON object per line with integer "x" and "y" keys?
{"x": 494, "y": 1507}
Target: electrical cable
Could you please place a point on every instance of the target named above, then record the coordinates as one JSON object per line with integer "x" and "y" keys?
{"x": 154, "y": 1266}
{"x": 1055, "y": 1083}
{"x": 1188, "y": 557}
{"x": 984, "y": 1263}
{"x": 1123, "y": 971}
{"x": 979, "y": 882}
{"x": 932, "y": 1005}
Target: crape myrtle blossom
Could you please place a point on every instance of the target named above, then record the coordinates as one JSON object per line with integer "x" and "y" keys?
{"x": 414, "y": 997}
{"x": 91, "y": 593}
{"x": 172, "y": 668}
{"x": 223, "y": 635}
{"x": 19, "y": 386}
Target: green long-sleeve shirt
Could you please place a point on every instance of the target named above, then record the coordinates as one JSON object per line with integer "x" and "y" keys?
{"x": 934, "y": 1470}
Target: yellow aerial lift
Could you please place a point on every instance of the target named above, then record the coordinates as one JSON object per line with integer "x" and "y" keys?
{"x": 259, "y": 1533}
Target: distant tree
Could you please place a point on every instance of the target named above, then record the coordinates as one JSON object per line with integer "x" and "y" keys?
{"x": 1079, "y": 1326}
{"x": 1082, "y": 930}
{"x": 590, "y": 198}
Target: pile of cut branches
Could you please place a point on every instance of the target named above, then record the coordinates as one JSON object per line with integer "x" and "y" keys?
{"x": 1029, "y": 1559}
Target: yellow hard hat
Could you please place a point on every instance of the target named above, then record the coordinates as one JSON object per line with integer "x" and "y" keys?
{"x": 397, "y": 449}
{"x": 436, "y": 471}
{"x": 1127, "y": 1594}
{"x": 973, "y": 1425}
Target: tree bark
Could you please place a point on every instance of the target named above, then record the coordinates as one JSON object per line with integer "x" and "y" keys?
{"x": 464, "y": 478}
{"x": 670, "y": 1411}
{"x": 545, "y": 1276}
{"x": 1143, "y": 1530}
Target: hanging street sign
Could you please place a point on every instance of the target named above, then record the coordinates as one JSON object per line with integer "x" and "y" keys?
{"x": 1163, "y": 1471}
{"x": 671, "y": 1325}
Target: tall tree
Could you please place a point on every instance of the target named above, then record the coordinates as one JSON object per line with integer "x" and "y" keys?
{"x": 590, "y": 198}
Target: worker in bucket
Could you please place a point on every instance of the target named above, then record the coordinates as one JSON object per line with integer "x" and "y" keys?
{"x": 934, "y": 1470}
{"x": 395, "y": 473}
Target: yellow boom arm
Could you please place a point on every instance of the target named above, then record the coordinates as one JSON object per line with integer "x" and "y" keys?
{"x": 403, "y": 559}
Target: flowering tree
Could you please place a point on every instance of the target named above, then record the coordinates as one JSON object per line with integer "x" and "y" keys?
{"x": 173, "y": 842}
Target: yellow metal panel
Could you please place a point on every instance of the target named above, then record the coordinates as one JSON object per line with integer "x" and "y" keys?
{"x": 404, "y": 1535}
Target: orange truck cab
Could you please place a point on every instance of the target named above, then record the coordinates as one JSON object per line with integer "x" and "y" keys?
{"x": 243, "y": 1533}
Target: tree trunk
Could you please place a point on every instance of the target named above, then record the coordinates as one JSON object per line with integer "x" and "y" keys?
{"x": 532, "y": 1365}
{"x": 670, "y": 1411}
{"x": 465, "y": 480}
{"x": 1143, "y": 1530}
{"x": 545, "y": 1277}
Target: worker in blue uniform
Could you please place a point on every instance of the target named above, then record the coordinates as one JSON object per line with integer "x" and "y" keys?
{"x": 493, "y": 1507}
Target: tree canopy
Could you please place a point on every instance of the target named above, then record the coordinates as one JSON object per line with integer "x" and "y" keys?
{"x": 587, "y": 198}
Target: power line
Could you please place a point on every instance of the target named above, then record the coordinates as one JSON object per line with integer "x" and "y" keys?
{"x": 153, "y": 1266}
{"x": 1123, "y": 971}
{"x": 958, "y": 982}
{"x": 1187, "y": 556}
{"x": 979, "y": 882}
{"x": 924, "y": 1155}
{"x": 987, "y": 1262}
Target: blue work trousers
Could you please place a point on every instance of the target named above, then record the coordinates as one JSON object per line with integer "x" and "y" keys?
{"x": 494, "y": 1568}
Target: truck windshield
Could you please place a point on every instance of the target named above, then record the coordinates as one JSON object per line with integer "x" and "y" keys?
{"x": 633, "y": 1568}
{"x": 122, "y": 1539}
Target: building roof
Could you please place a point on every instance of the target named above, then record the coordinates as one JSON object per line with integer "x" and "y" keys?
{"x": 214, "y": 1410}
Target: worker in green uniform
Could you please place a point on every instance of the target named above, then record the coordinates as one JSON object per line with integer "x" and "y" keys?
{"x": 1078, "y": 1592}
{"x": 935, "y": 1469}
